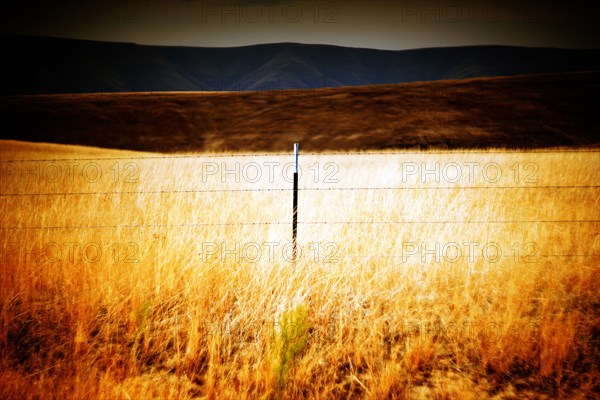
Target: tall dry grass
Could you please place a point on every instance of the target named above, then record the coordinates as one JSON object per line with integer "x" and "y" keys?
{"x": 127, "y": 289}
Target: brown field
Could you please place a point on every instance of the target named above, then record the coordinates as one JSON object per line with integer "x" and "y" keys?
{"x": 131, "y": 276}
{"x": 511, "y": 112}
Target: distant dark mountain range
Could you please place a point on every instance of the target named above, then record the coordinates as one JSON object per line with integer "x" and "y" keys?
{"x": 53, "y": 65}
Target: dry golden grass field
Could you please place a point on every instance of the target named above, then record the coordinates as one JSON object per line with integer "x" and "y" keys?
{"x": 420, "y": 275}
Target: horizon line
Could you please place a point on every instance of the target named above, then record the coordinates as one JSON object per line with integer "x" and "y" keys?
{"x": 292, "y": 43}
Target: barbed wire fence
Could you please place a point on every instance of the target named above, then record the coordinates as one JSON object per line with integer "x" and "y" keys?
{"x": 293, "y": 222}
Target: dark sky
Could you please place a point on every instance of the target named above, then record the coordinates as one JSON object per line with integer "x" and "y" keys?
{"x": 382, "y": 24}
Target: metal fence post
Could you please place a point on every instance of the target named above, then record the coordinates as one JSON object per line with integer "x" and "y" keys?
{"x": 295, "y": 215}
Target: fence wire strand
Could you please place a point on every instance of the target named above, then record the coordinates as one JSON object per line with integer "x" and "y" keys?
{"x": 366, "y": 153}
{"x": 258, "y": 223}
{"x": 306, "y": 189}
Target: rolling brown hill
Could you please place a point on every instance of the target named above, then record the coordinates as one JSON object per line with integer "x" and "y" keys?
{"x": 527, "y": 111}
{"x": 59, "y": 66}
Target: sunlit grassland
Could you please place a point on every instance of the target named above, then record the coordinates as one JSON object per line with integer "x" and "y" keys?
{"x": 150, "y": 277}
